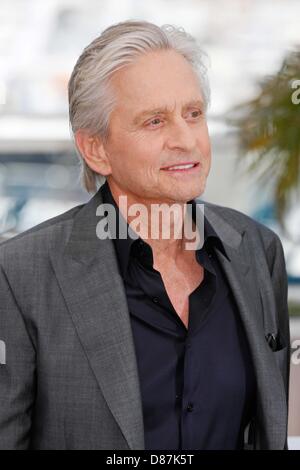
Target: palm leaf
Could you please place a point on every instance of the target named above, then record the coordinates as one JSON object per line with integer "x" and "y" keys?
{"x": 268, "y": 129}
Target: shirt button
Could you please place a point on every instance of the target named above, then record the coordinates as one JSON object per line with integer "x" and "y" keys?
{"x": 190, "y": 407}
{"x": 155, "y": 300}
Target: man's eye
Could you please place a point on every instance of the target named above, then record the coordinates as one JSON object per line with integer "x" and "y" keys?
{"x": 196, "y": 113}
{"x": 154, "y": 122}
{"x": 157, "y": 121}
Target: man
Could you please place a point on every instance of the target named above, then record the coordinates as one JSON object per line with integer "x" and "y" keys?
{"x": 142, "y": 342}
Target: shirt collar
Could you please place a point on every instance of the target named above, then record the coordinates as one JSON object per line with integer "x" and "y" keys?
{"x": 123, "y": 246}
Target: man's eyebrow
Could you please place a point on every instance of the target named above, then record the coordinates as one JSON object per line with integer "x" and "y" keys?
{"x": 165, "y": 110}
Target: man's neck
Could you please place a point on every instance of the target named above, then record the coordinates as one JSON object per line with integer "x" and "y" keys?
{"x": 166, "y": 232}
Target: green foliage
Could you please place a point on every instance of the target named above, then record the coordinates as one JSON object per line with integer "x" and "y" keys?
{"x": 269, "y": 133}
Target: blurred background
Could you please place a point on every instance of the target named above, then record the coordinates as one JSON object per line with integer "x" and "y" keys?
{"x": 253, "y": 49}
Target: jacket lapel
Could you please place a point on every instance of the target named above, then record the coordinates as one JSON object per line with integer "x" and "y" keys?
{"x": 271, "y": 402}
{"x": 87, "y": 271}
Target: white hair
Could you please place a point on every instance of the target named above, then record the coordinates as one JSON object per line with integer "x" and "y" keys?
{"x": 91, "y": 99}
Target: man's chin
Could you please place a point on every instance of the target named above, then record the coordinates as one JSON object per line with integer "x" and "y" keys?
{"x": 188, "y": 194}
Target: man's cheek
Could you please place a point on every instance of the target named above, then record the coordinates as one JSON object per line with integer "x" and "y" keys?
{"x": 206, "y": 163}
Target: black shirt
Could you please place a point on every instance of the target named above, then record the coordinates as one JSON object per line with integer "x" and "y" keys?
{"x": 197, "y": 383}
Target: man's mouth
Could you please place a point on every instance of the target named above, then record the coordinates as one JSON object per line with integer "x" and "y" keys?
{"x": 182, "y": 167}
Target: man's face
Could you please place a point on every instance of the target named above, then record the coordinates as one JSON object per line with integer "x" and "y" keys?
{"x": 174, "y": 131}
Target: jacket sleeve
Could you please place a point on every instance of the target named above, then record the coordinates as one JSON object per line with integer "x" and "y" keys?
{"x": 17, "y": 373}
{"x": 280, "y": 288}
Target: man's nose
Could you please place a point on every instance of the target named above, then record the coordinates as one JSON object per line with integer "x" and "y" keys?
{"x": 181, "y": 136}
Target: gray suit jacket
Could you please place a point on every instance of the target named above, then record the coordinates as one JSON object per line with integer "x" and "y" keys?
{"x": 68, "y": 378}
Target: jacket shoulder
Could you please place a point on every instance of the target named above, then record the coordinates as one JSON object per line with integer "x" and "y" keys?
{"x": 239, "y": 220}
{"x": 40, "y": 238}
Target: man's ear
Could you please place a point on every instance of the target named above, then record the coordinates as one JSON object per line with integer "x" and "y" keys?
{"x": 92, "y": 150}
